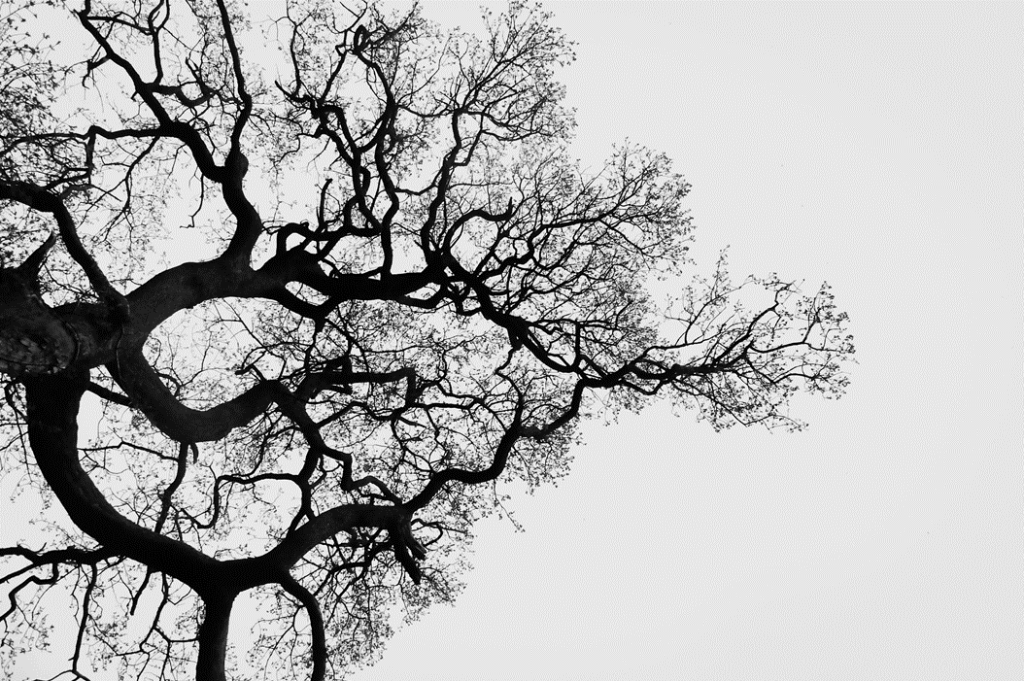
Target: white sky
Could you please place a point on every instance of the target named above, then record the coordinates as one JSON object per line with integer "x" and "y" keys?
{"x": 878, "y": 146}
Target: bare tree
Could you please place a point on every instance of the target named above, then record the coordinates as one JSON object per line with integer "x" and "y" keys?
{"x": 400, "y": 288}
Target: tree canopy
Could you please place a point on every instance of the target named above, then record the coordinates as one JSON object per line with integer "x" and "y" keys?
{"x": 317, "y": 283}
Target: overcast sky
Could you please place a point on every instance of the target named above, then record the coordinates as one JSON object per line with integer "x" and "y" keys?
{"x": 876, "y": 146}
{"x": 879, "y": 147}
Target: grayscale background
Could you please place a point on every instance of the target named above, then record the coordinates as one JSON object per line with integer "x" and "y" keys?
{"x": 878, "y": 146}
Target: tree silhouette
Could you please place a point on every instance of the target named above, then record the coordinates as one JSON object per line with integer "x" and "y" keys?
{"x": 393, "y": 285}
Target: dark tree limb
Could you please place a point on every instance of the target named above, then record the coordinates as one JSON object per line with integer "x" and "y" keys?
{"x": 435, "y": 320}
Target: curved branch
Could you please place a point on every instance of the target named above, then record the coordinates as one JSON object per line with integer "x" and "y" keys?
{"x": 501, "y": 454}
{"x": 329, "y": 523}
{"x": 53, "y": 404}
{"x": 47, "y": 202}
{"x": 179, "y": 422}
{"x": 316, "y": 625}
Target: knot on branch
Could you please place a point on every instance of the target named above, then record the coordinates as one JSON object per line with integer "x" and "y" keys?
{"x": 34, "y": 341}
{"x": 360, "y": 40}
{"x": 407, "y": 549}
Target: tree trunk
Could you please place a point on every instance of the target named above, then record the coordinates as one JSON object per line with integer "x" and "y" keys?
{"x": 213, "y": 638}
{"x": 53, "y": 403}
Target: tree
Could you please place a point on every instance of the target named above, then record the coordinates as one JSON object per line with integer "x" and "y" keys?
{"x": 401, "y": 288}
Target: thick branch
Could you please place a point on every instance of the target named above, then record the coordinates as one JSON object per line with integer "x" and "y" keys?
{"x": 179, "y": 422}
{"x": 316, "y": 625}
{"x": 330, "y": 523}
{"x": 213, "y": 638}
{"x": 53, "y": 404}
